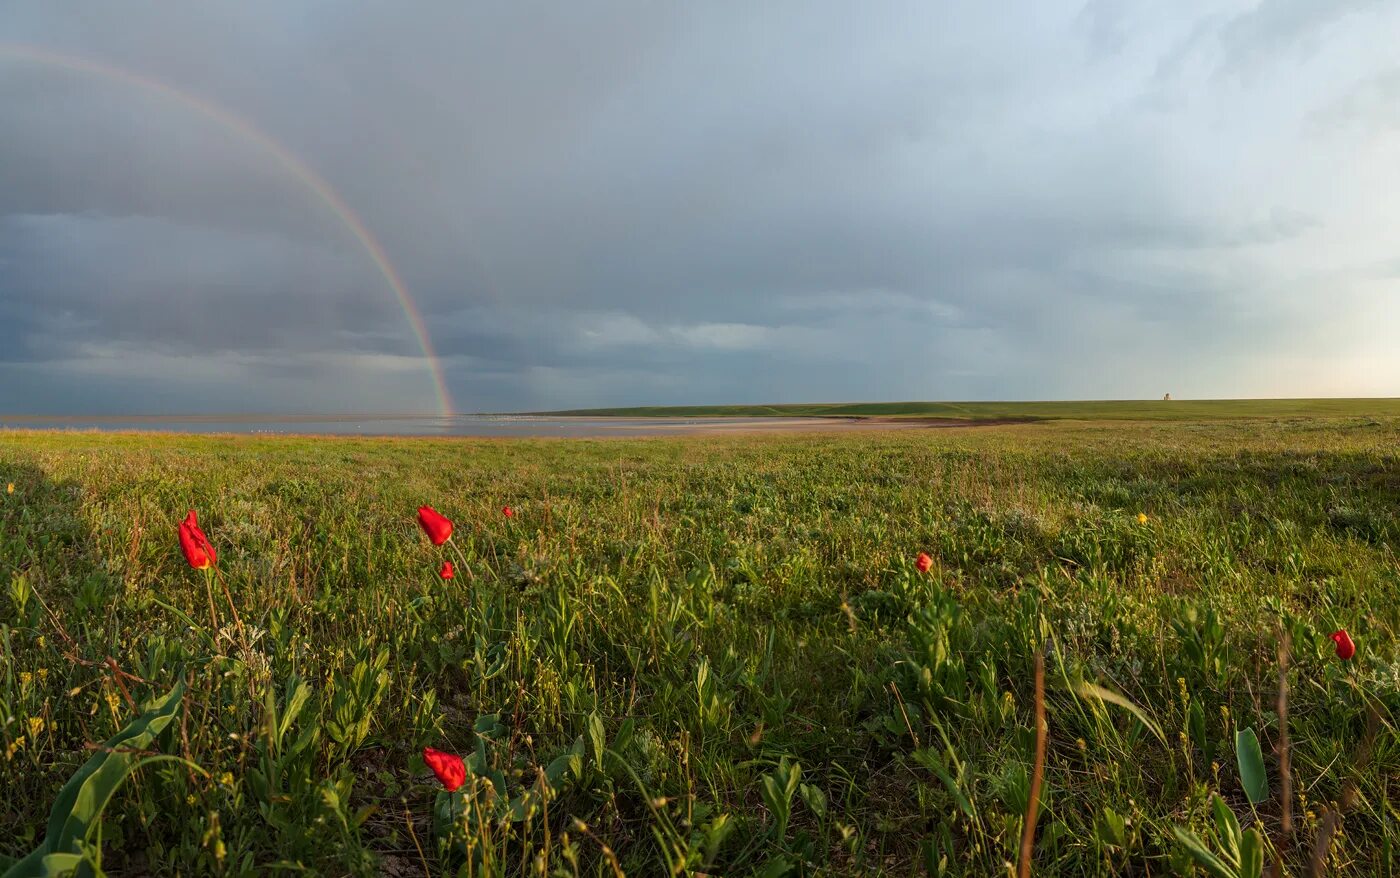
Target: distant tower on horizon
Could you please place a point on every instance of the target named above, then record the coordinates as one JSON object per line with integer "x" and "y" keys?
{"x": 1166, "y": 397}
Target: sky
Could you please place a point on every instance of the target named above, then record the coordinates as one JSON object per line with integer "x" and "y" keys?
{"x": 203, "y": 206}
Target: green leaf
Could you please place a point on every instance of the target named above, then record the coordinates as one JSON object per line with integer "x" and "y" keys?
{"x": 598, "y": 738}
{"x": 775, "y": 868}
{"x": 1251, "y": 760}
{"x": 716, "y": 831}
{"x": 1251, "y": 855}
{"x": 931, "y": 761}
{"x": 814, "y": 798}
{"x": 65, "y": 864}
{"x": 778, "y": 789}
{"x": 555, "y": 773}
{"x": 1228, "y": 828}
{"x": 488, "y": 725}
{"x": 364, "y": 814}
{"x": 297, "y": 693}
{"x": 87, "y": 792}
{"x": 1112, "y": 828}
{"x": 80, "y": 803}
{"x": 1196, "y": 720}
{"x": 1202, "y": 855}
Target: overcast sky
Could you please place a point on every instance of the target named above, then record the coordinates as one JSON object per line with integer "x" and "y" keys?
{"x": 652, "y": 203}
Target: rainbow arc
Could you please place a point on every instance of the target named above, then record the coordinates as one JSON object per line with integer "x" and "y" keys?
{"x": 299, "y": 169}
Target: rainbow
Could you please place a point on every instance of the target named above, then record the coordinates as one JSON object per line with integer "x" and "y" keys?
{"x": 289, "y": 161}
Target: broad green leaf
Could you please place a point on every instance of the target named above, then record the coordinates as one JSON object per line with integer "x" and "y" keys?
{"x": 65, "y": 864}
{"x": 1251, "y": 761}
{"x": 87, "y": 792}
{"x": 569, "y": 763}
{"x": 81, "y": 800}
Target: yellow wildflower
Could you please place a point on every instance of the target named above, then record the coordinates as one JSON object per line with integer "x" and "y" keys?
{"x": 36, "y": 726}
{"x": 25, "y": 678}
{"x": 10, "y": 488}
{"x": 1142, "y": 518}
{"x": 43, "y": 675}
{"x": 14, "y": 745}
{"x": 226, "y": 778}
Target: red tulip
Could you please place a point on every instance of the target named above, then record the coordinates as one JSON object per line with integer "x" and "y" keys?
{"x": 924, "y": 563}
{"x": 437, "y": 527}
{"x": 508, "y": 512}
{"x": 1345, "y": 648}
{"x": 451, "y": 770}
{"x": 198, "y": 551}
{"x": 447, "y": 572}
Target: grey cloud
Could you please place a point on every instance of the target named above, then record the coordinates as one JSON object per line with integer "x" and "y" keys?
{"x": 1370, "y": 108}
{"x": 674, "y": 203}
{"x": 1283, "y": 27}
{"x": 182, "y": 288}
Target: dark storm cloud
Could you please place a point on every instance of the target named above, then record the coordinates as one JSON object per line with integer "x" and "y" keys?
{"x": 690, "y": 203}
{"x": 78, "y": 278}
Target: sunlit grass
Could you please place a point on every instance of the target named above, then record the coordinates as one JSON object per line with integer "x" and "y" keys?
{"x": 719, "y": 649}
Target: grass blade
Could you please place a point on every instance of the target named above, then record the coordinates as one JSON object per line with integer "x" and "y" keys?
{"x": 1091, "y": 690}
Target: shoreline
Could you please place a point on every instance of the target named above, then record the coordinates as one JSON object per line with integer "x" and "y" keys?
{"x": 516, "y": 427}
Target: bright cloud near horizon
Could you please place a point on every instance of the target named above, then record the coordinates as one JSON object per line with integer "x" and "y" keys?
{"x": 666, "y": 203}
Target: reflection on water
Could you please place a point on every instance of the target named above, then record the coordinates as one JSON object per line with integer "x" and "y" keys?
{"x": 459, "y": 425}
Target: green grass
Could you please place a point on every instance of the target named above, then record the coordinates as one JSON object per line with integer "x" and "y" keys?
{"x": 726, "y": 639}
{"x": 1093, "y": 410}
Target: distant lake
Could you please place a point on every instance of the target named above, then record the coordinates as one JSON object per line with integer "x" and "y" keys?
{"x": 459, "y": 425}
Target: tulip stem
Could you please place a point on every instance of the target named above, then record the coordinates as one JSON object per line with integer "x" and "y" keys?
{"x": 237, "y": 620}
{"x": 461, "y": 559}
{"x": 209, "y": 590}
{"x": 475, "y": 596}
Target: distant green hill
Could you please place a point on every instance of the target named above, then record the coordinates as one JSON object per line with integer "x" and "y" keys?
{"x": 1093, "y": 410}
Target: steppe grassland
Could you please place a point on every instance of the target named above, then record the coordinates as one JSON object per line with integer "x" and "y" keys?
{"x": 729, "y": 632}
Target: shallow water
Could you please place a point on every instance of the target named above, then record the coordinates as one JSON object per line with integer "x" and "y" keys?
{"x": 459, "y": 425}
